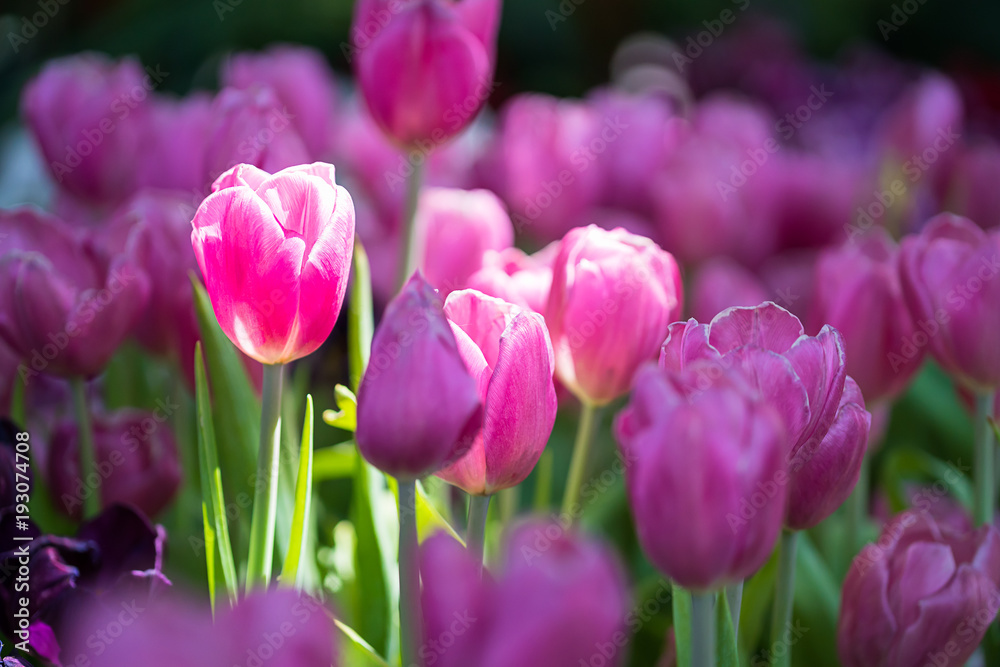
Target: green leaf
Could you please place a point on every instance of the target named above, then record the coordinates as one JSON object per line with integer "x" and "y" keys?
{"x": 303, "y": 496}
{"x": 360, "y": 322}
{"x": 905, "y": 464}
{"x": 213, "y": 504}
{"x": 337, "y": 462}
{"x": 347, "y": 416}
{"x": 758, "y": 594}
{"x": 543, "y": 481}
{"x": 429, "y": 520}
{"x": 681, "y": 601}
{"x": 726, "y": 652}
{"x": 359, "y": 653}
{"x": 814, "y": 618}
{"x": 211, "y": 554}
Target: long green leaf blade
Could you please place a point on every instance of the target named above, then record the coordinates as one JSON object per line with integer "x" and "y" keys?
{"x": 303, "y": 498}
{"x": 360, "y": 319}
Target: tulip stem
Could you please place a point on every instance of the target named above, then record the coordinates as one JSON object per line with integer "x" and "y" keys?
{"x": 985, "y": 460}
{"x": 578, "y": 465}
{"x": 410, "y": 623}
{"x": 408, "y": 262}
{"x": 92, "y": 499}
{"x": 703, "y": 629}
{"x": 479, "y": 507}
{"x": 784, "y": 592}
{"x": 857, "y": 512}
{"x": 265, "y": 505}
{"x": 734, "y": 597}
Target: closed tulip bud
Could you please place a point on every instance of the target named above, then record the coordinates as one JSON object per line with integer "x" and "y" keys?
{"x": 857, "y": 290}
{"x": 418, "y": 407}
{"x": 135, "y": 456}
{"x": 455, "y": 228}
{"x": 424, "y": 67}
{"x": 950, "y": 280}
{"x": 613, "y": 296}
{"x": 924, "y": 594}
{"x": 559, "y": 601}
{"x": 706, "y": 475}
{"x": 64, "y": 307}
{"x": 508, "y": 353}
{"x": 275, "y": 252}
{"x": 87, "y": 114}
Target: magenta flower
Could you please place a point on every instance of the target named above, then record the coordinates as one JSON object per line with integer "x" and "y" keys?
{"x": 418, "y": 406}
{"x": 698, "y": 457}
{"x": 950, "y": 280}
{"x": 455, "y": 228}
{"x": 613, "y": 296}
{"x": 925, "y": 593}
{"x": 175, "y": 145}
{"x": 720, "y": 284}
{"x": 508, "y": 353}
{"x": 424, "y": 67}
{"x": 514, "y": 276}
{"x": 64, "y": 307}
{"x": 558, "y": 600}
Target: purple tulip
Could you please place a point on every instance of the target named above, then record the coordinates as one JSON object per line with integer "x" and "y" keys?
{"x": 613, "y": 296}
{"x": 699, "y": 456}
{"x": 135, "y": 457}
{"x": 924, "y": 594}
{"x": 64, "y": 308}
{"x": 857, "y": 290}
{"x": 560, "y": 600}
{"x": 455, "y": 228}
{"x": 519, "y": 278}
{"x": 970, "y": 188}
{"x": 418, "y": 406}
{"x": 950, "y": 280}
{"x": 303, "y": 82}
{"x": 424, "y": 67}
{"x": 88, "y": 115}
{"x": 508, "y": 353}
{"x": 805, "y": 379}
{"x": 926, "y": 113}
{"x": 174, "y": 146}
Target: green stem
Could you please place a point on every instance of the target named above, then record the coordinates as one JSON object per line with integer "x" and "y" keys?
{"x": 409, "y": 261}
{"x": 581, "y": 453}
{"x": 985, "y": 460}
{"x": 784, "y": 592}
{"x": 703, "y": 629}
{"x": 734, "y": 596}
{"x": 92, "y": 499}
{"x": 479, "y": 507}
{"x": 265, "y": 505}
{"x": 857, "y": 512}
{"x": 410, "y": 622}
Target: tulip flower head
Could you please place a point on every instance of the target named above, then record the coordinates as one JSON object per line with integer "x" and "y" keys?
{"x": 275, "y": 252}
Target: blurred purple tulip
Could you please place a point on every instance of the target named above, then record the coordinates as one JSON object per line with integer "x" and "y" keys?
{"x": 613, "y": 296}
{"x": 514, "y": 276}
{"x": 509, "y": 355}
{"x": 950, "y": 281}
{"x": 720, "y": 284}
{"x": 64, "y": 307}
{"x": 174, "y": 146}
{"x": 559, "y": 600}
{"x": 972, "y": 181}
{"x": 925, "y": 593}
{"x": 418, "y": 406}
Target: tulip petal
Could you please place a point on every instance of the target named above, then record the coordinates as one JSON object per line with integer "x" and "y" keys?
{"x": 768, "y": 326}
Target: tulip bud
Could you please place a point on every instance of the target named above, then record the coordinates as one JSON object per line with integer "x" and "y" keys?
{"x": 424, "y": 67}
{"x": 519, "y": 278}
{"x": 613, "y": 296}
{"x": 64, "y": 308}
{"x": 275, "y": 251}
{"x": 135, "y": 458}
{"x": 418, "y": 406}
{"x": 454, "y": 229}
{"x": 857, "y": 290}
{"x": 950, "y": 281}
{"x": 560, "y": 600}
{"x": 924, "y": 594}
{"x": 706, "y": 475}
{"x": 507, "y": 351}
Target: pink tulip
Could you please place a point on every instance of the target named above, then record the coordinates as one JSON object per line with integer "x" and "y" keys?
{"x": 64, "y": 307}
{"x": 950, "y": 280}
{"x": 924, "y": 594}
{"x": 507, "y": 351}
{"x": 454, "y": 230}
{"x": 519, "y": 278}
{"x": 418, "y": 407}
{"x": 857, "y": 290}
{"x": 929, "y": 111}
{"x": 698, "y": 457}
{"x": 303, "y": 82}
{"x": 613, "y": 296}
{"x": 275, "y": 252}
{"x": 424, "y": 67}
